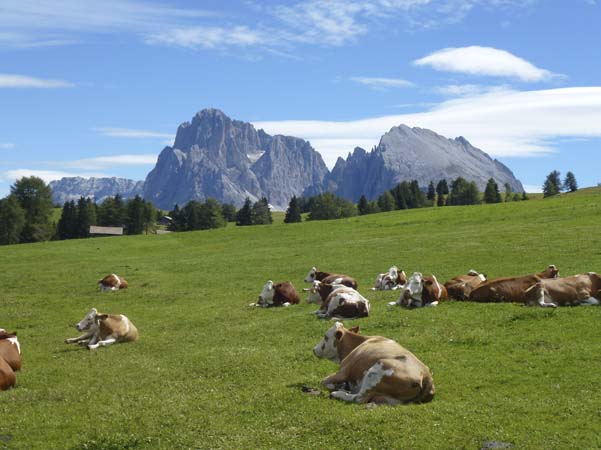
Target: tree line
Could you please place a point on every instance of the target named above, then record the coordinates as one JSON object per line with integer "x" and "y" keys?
{"x": 553, "y": 184}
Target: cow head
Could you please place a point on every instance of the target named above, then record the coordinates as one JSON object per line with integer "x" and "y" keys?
{"x": 90, "y": 320}
{"x": 327, "y": 348}
{"x": 310, "y": 278}
{"x": 432, "y": 290}
{"x": 314, "y": 295}
{"x": 266, "y": 296}
{"x": 551, "y": 272}
{"x": 411, "y": 294}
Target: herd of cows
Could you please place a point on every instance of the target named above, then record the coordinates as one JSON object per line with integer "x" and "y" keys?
{"x": 373, "y": 369}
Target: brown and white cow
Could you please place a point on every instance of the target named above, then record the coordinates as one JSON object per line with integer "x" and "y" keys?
{"x": 460, "y": 287}
{"x": 421, "y": 291}
{"x": 112, "y": 282}
{"x": 513, "y": 289}
{"x": 568, "y": 291}
{"x": 281, "y": 294}
{"x": 104, "y": 329}
{"x": 373, "y": 369}
{"x": 330, "y": 278}
{"x": 10, "y": 359}
{"x": 319, "y": 292}
{"x": 343, "y": 302}
{"x": 391, "y": 280}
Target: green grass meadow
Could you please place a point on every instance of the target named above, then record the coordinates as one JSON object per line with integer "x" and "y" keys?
{"x": 211, "y": 372}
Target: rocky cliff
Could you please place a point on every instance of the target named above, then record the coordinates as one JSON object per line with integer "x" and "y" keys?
{"x": 215, "y": 156}
{"x": 406, "y": 153}
{"x": 72, "y": 188}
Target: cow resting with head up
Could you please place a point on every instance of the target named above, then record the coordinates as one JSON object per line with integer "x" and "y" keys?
{"x": 568, "y": 291}
{"x": 102, "y": 329}
{"x": 391, "y": 280}
{"x": 330, "y": 278}
{"x": 343, "y": 302}
{"x": 373, "y": 369}
{"x": 280, "y": 294}
{"x": 421, "y": 291}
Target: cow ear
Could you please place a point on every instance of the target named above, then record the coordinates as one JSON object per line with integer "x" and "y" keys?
{"x": 102, "y": 316}
{"x": 355, "y": 329}
{"x": 338, "y": 335}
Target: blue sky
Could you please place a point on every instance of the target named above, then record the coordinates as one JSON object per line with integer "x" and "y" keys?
{"x": 98, "y": 87}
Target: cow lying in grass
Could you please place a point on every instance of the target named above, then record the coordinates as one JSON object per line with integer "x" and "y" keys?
{"x": 421, "y": 291}
{"x": 391, "y": 280}
{"x": 568, "y": 291}
{"x": 342, "y": 302}
{"x": 514, "y": 289}
{"x": 459, "y": 288}
{"x": 330, "y": 278}
{"x": 281, "y": 294}
{"x": 373, "y": 369}
{"x": 10, "y": 359}
{"x": 104, "y": 329}
{"x": 112, "y": 282}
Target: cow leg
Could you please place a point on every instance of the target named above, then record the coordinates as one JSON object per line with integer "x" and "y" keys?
{"x": 370, "y": 381}
{"x": 83, "y": 337}
{"x": 333, "y": 381}
{"x": 591, "y": 301}
{"x": 435, "y": 303}
{"x": 104, "y": 343}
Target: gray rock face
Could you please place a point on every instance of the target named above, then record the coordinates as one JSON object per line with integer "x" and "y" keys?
{"x": 414, "y": 154}
{"x": 72, "y": 188}
{"x": 215, "y": 156}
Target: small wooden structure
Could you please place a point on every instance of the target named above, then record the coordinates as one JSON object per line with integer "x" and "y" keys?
{"x": 106, "y": 231}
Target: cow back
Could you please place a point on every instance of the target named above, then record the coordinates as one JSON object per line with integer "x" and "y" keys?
{"x": 285, "y": 293}
{"x": 10, "y": 351}
{"x": 508, "y": 289}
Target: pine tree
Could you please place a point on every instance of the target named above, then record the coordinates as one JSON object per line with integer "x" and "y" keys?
{"x": 363, "y": 206}
{"x": 261, "y": 213}
{"x": 386, "y": 202}
{"x": 244, "y": 216}
{"x": 229, "y": 212}
{"x": 135, "y": 221}
{"x": 431, "y": 195}
{"x": 293, "y": 213}
{"x": 12, "y": 220}
{"x": 491, "y": 192}
{"x": 569, "y": 184}
{"x": 552, "y": 184}
{"x": 442, "y": 189}
{"x": 524, "y": 196}
{"x": 35, "y": 197}
{"x": 67, "y": 224}
{"x": 86, "y": 216}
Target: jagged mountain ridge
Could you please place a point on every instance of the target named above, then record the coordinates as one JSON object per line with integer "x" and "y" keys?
{"x": 215, "y": 156}
{"x": 229, "y": 160}
{"x": 72, "y": 188}
{"x": 406, "y": 153}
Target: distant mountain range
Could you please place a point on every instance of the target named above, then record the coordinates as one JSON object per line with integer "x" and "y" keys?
{"x": 229, "y": 160}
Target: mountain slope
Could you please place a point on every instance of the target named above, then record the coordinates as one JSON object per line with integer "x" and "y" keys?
{"x": 72, "y": 188}
{"x": 406, "y": 153}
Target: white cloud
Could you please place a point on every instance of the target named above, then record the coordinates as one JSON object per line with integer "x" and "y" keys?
{"x": 210, "y": 37}
{"x": 467, "y": 90}
{"x": 505, "y": 123}
{"x": 488, "y": 61}
{"x": 6, "y": 145}
{"x": 133, "y": 133}
{"x": 46, "y": 175}
{"x": 8, "y": 80}
{"x": 382, "y": 83}
{"x": 109, "y": 162}
{"x": 26, "y": 23}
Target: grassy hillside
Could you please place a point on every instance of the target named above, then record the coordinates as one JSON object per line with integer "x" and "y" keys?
{"x": 210, "y": 372}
